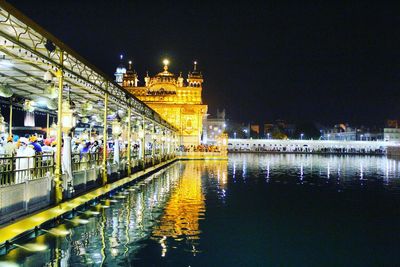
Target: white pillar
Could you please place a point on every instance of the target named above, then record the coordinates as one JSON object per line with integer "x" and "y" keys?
{"x": 67, "y": 163}
{"x": 116, "y": 151}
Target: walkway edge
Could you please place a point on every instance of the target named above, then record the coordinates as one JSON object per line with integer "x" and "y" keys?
{"x": 12, "y": 231}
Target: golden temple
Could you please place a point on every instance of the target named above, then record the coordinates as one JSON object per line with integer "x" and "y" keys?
{"x": 179, "y": 102}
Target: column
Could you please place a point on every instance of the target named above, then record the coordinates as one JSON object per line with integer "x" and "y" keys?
{"x": 58, "y": 173}
{"x": 143, "y": 144}
{"x": 105, "y": 137}
{"x": 128, "y": 153}
{"x": 162, "y": 144}
{"x": 153, "y": 145}
{"x": 11, "y": 117}
{"x": 47, "y": 125}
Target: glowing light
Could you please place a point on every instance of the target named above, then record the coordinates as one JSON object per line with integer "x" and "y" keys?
{"x": 116, "y": 128}
{"x": 59, "y": 232}
{"x": 29, "y": 105}
{"x": 33, "y": 247}
{"x": 166, "y": 62}
{"x": 87, "y": 106}
{"x": 48, "y": 76}
{"x": 8, "y": 264}
{"x": 120, "y": 197}
{"x": 68, "y": 119}
{"x": 51, "y": 92}
{"x": 53, "y": 130}
{"x": 6, "y": 63}
{"x": 79, "y": 221}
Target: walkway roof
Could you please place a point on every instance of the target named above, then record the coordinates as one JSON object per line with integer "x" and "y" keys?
{"x": 27, "y": 52}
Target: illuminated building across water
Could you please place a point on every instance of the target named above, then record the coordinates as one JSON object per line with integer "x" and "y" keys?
{"x": 179, "y": 102}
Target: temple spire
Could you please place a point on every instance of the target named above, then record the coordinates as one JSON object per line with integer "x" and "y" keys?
{"x": 130, "y": 77}
{"x": 195, "y": 79}
{"x": 166, "y": 63}
{"x": 120, "y": 71}
{"x": 147, "y": 79}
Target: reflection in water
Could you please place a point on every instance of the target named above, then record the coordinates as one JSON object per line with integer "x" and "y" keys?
{"x": 184, "y": 209}
{"x": 186, "y": 205}
{"x": 343, "y": 168}
{"x": 104, "y": 235}
{"x": 190, "y": 214}
{"x": 165, "y": 205}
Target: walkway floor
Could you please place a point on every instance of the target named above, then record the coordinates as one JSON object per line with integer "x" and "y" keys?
{"x": 28, "y": 223}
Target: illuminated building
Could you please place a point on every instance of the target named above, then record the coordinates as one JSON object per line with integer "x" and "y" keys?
{"x": 120, "y": 72}
{"x": 213, "y": 127}
{"x": 391, "y": 134}
{"x": 178, "y": 102}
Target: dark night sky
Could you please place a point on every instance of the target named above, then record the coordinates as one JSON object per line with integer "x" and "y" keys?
{"x": 322, "y": 61}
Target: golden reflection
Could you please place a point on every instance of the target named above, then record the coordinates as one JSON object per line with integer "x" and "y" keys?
{"x": 169, "y": 204}
{"x": 103, "y": 236}
{"x": 40, "y": 244}
{"x": 186, "y": 205}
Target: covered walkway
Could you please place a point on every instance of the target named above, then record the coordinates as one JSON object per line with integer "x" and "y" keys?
{"x": 100, "y": 133}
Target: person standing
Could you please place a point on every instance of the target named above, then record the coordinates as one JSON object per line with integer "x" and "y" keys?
{"x": 35, "y": 144}
{"x": 9, "y": 148}
{"x": 24, "y": 163}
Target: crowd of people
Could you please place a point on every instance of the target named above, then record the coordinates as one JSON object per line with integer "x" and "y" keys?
{"x": 18, "y": 153}
{"x": 34, "y": 145}
{"x": 28, "y": 156}
{"x": 83, "y": 146}
{"x": 26, "y": 146}
{"x": 199, "y": 148}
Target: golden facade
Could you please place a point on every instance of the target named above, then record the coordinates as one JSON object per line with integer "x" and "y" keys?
{"x": 178, "y": 102}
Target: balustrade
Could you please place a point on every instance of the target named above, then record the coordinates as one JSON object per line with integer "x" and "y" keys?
{"x": 14, "y": 170}
{"x": 84, "y": 161}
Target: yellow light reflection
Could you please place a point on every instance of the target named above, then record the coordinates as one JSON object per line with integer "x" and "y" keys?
{"x": 186, "y": 205}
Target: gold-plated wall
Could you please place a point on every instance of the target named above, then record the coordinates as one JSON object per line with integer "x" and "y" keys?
{"x": 178, "y": 103}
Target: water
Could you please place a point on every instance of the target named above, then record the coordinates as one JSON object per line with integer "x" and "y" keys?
{"x": 255, "y": 210}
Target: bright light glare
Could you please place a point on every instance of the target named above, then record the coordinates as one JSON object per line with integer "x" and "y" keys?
{"x": 6, "y": 63}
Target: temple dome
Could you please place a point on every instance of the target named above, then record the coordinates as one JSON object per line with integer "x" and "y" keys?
{"x": 165, "y": 76}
